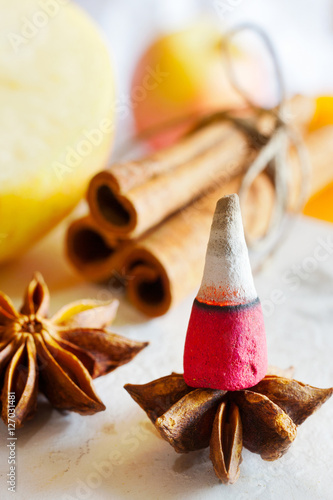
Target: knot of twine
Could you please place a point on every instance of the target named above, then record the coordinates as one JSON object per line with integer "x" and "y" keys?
{"x": 273, "y": 148}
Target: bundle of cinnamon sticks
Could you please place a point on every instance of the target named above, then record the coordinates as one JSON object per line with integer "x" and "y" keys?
{"x": 149, "y": 219}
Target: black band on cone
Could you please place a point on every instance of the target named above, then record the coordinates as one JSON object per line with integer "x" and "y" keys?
{"x": 228, "y": 308}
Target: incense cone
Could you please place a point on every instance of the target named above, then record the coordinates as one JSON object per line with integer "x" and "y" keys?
{"x": 225, "y": 345}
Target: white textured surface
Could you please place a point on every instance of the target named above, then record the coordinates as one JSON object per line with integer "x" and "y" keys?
{"x": 59, "y": 454}
{"x": 227, "y": 275}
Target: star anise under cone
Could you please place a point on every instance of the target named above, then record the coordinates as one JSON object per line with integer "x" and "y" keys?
{"x": 263, "y": 418}
{"x": 61, "y": 354}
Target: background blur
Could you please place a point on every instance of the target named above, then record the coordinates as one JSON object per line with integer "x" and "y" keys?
{"x": 301, "y": 30}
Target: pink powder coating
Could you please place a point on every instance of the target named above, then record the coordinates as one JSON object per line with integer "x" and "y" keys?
{"x": 225, "y": 346}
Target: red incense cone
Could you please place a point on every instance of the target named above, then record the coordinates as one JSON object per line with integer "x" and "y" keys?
{"x": 225, "y": 344}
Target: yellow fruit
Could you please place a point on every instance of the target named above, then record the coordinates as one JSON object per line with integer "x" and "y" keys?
{"x": 56, "y": 119}
{"x": 184, "y": 73}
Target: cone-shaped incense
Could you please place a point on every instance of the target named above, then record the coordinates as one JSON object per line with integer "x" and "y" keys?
{"x": 225, "y": 345}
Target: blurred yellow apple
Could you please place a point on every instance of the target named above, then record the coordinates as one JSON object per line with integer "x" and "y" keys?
{"x": 184, "y": 73}
{"x": 56, "y": 120}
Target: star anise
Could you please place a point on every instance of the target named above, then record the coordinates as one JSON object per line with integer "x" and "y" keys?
{"x": 263, "y": 418}
{"x": 61, "y": 355}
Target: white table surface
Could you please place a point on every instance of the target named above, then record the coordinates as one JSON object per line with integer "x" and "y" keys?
{"x": 117, "y": 454}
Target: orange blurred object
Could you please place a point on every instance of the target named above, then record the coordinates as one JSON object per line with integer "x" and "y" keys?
{"x": 320, "y": 205}
{"x": 323, "y": 114}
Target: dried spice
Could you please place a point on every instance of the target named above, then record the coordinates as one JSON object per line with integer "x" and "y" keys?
{"x": 226, "y": 442}
{"x": 58, "y": 356}
{"x": 263, "y": 418}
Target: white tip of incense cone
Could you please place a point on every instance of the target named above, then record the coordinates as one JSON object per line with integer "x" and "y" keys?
{"x": 227, "y": 278}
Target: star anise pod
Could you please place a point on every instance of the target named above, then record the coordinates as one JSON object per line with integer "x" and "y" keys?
{"x": 263, "y": 418}
{"x": 61, "y": 355}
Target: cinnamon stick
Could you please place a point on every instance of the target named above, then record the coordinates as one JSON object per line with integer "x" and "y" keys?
{"x": 130, "y": 213}
{"x": 130, "y": 198}
{"x": 93, "y": 253}
{"x": 128, "y": 175}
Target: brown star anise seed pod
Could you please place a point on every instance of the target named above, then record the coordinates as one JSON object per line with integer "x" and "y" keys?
{"x": 263, "y": 418}
{"x": 61, "y": 354}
